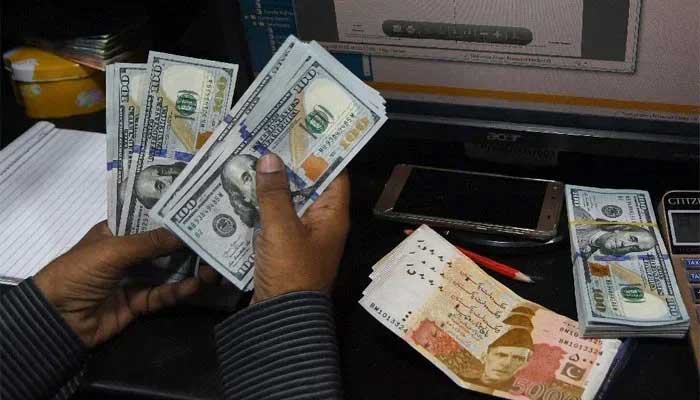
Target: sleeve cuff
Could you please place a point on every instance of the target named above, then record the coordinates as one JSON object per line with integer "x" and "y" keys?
{"x": 282, "y": 348}
{"x": 39, "y": 352}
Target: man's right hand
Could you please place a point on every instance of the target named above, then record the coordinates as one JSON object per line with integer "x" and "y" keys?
{"x": 293, "y": 254}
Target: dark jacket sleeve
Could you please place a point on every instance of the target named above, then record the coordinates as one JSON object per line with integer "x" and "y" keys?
{"x": 39, "y": 352}
{"x": 282, "y": 348}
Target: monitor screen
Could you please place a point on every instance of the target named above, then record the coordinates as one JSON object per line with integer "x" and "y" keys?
{"x": 630, "y": 65}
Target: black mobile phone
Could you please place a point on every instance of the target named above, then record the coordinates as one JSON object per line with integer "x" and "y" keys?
{"x": 491, "y": 203}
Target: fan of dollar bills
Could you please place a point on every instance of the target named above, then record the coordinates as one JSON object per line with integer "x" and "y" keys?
{"x": 158, "y": 115}
{"x": 179, "y": 158}
{"x": 624, "y": 281}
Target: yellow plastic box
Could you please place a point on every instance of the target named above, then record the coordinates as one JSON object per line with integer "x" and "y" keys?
{"x": 50, "y": 86}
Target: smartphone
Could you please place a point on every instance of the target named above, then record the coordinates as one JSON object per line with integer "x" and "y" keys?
{"x": 472, "y": 201}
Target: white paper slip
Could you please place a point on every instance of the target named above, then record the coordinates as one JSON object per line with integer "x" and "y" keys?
{"x": 52, "y": 191}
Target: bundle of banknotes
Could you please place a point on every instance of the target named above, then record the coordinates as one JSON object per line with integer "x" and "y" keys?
{"x": 196, "y": 176}
{"x": 118, "y": 40}
{"x": 158, "y": 116}
{"x": 482, "y": 335}
{"x": 624, "y": 281}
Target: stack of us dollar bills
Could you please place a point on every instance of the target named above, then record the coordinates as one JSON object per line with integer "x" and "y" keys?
{"x": 624, "y": 281}
{"x": 482, "y": 335}
{"x": 304, "y": 106}
{"x": 158, "y": 116}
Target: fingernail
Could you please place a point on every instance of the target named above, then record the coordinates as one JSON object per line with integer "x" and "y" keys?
{"x": 270, "y": 163}
{"x": 256, "y": 230}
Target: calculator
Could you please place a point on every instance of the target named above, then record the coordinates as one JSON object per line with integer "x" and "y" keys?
{"x": 679, "y": 217}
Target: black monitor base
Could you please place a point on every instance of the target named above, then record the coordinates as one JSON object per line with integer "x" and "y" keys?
{"x": 501, "y": 244}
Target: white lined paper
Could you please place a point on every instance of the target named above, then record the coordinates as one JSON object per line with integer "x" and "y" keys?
{"x": 52, "y": 191}
{"x": 13, "y": 152}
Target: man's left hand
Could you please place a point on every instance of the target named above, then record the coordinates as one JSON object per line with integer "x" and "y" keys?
{"x": 84, "y": 284}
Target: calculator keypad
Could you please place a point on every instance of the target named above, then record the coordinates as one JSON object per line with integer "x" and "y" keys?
{"x": 694, "y": 276}
{"x": 692, "y": 267}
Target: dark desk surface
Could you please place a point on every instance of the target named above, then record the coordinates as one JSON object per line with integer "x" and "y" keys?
{"x": 171, "y": 355}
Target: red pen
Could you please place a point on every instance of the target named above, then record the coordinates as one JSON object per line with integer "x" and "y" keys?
{"x": 490, "y": 264}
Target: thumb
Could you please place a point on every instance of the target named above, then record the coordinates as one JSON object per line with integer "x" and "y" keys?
{"x": 272, "y": 189}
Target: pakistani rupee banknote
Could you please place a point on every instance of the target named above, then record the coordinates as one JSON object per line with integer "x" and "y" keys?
{"x": 124, "y": 84}
{"x": 482, "y": 335}
{"x": 312, "y": 112}
{"x": 624, "y": 281}
{"x": 183, "y": 100}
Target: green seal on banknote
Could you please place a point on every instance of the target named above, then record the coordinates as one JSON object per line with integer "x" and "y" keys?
{"x": 186, "y": 102}
{"x": 632, "y": 294}
{"x": 318, "y": 120}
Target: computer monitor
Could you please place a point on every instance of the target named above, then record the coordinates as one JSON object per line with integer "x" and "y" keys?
{"x": 616, "y": 77}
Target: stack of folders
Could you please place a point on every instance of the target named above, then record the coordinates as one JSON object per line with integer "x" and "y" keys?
{"x": 119, "y": 40}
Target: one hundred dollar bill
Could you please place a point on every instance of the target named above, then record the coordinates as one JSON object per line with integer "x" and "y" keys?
{"x": 289, "y": 57}
{"x": 624, "y": 278}
{"x": 110, "y": 150}
{"x": 482, "y": 335}
{"x": 316, "y": 117}
{"x": 124, "y": 83}
{"x": 184, "y": 99}
{"x": 257, "y": 91}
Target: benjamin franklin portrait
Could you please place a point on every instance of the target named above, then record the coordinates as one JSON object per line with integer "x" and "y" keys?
{"x": 238, "y": 180}
{"x": 611, "y": 239}
{"x": 155, "y": 180}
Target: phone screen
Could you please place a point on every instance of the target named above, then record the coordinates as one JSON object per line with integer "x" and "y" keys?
{"x": 475, "y": 198}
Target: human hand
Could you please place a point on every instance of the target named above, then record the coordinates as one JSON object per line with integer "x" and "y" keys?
{"x": 84, "y": 283}
{"x": 293, "y": 254}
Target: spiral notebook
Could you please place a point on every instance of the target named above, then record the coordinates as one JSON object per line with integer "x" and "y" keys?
{"x": 52, "y": 191}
